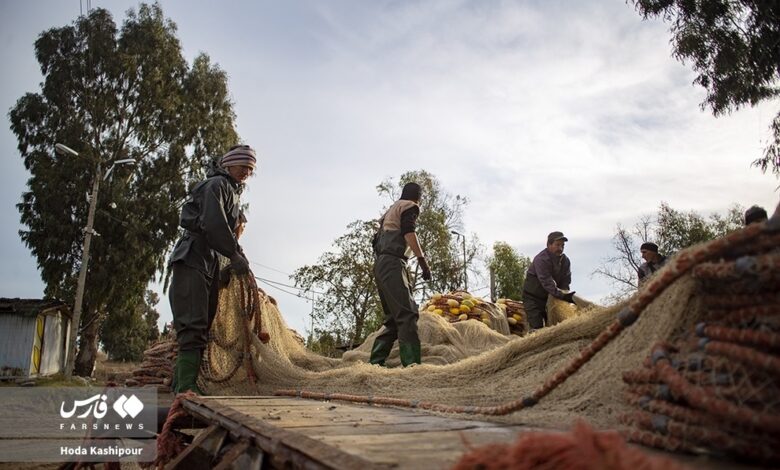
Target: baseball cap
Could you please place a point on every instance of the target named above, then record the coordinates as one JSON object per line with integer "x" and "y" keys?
{"x": 556, "y": 236}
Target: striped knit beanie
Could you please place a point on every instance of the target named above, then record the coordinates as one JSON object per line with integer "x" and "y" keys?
{"x": 243, "y": 155}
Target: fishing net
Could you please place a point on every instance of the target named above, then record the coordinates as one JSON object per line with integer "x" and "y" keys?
{"x": 716, "y": 387}
{"x": 725, "y": 292}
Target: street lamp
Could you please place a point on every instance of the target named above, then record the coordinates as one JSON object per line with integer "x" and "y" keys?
{"x": 465, "y": 275}
{"x": 124, "y": 161}
{"x": 88, "y": 232}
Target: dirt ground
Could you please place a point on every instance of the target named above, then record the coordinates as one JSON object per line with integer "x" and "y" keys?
{"x": 109, "y": 371}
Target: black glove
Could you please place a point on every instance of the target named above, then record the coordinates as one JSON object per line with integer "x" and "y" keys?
{"x": 569, "y": 297}
{"x": 426, "y": 270}
{"x": 239, "y": 264}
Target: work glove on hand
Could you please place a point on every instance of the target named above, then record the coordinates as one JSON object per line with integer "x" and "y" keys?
{"x": 569, "y": 297}
{"x": 426, "y": 270}
{"x": 239, "y": 264}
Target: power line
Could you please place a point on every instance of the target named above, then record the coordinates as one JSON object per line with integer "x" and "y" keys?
{"x": 287, "y": 285}
{"x": 272, "y": 269}
{"x": 279, "y": 288}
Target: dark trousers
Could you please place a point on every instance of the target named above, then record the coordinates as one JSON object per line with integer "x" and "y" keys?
{"x": 193, "y": 297}
{"x": 535, "y": 310}
{"x": 400, "y": 309}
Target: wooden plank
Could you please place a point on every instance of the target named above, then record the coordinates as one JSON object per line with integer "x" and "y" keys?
{"x": 424, "y": 450}
{"x": 358, "y": 429}
{"x": 233, "y": 454}
{"x": 283, "y": 448}
{"x": 193, "y": 447}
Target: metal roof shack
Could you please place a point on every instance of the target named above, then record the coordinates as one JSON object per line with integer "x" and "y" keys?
{"x": 33, "y": 337}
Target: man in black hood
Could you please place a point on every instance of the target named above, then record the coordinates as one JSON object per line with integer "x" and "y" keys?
{"x": 210, "y": 217}
{"x": 653, "y": 261}
{"x": 394, "y": 243}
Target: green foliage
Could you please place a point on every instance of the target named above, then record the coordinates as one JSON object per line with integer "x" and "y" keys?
{"x": 113, "y": 94}
{"x": 733, "y": 47}
{"x": 677, "y": 230}
{"x": 345, "y": 276}
{"x": 325, "y": 343}
{"x": 671, "y": 230}
{"x": 508, "y": 268}
{"x": 126, "y": 334}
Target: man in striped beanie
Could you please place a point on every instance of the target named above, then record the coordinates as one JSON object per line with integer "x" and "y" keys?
{"x": 209, "y": 217}
{"x": 240, "y": 162}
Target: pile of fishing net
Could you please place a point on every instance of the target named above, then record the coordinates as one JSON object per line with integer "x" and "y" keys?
{"x": 156, "y": 369}
{"x": 715, "y": 387}
{"x": 515, "y": 315}
{"x": 461, "y": 306}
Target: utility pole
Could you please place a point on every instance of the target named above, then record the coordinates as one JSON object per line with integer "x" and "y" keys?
{"x": 492, "y": 285}
{"x": 465, "y": 274}
{"x": 88, "y": 232}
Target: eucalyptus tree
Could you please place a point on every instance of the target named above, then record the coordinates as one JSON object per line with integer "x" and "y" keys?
{"x": 114, "y": 93}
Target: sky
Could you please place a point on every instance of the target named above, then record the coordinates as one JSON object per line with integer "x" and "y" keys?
{"x": 546, "y": 115}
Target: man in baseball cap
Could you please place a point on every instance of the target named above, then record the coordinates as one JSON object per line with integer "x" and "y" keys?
{"x": 549, "y": 274}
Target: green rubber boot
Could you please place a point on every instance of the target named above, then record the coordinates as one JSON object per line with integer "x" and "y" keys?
{"x": 379, "y": 352}
{"x": 187, "y": 369}
{"x": 410, "y": 353}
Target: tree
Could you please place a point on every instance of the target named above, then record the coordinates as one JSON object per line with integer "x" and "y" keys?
{"x": 126, "y": 334}
{"x": 114, "y": 94}
{"x": 734, "y": 46}
{"x": 440, "y": 213}
{"x": 508, "y": 268}
{"x": 324, "y": 343}
{"x": 671, "y": 230}
{"x": 348, "y": 305}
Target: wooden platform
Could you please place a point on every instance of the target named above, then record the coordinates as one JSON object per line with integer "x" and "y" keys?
{"x": 339, "y": 435}
{"x": 276, "y": 432}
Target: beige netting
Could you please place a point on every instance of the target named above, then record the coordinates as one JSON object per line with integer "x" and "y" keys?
{"x": 464, "y": 363}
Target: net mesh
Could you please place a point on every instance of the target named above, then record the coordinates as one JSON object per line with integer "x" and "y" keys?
{"x": 656, "y": 380}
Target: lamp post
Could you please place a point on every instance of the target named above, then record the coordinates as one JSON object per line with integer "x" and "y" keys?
{"x": 465, "y": 275}
{"x": 88, "y": 232}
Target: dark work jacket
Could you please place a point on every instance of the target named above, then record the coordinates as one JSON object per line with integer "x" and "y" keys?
{"x": 648, "y": 268}
{"x": 548, "y": 274}
{"x": 209, "y": 218}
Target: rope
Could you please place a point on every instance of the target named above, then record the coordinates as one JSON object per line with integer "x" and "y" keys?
{"x": 169, "y": 444}
{"x": 250, "y": 314}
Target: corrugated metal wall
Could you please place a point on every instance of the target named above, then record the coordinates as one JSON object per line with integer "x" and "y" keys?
{"x": 16, "y": 340}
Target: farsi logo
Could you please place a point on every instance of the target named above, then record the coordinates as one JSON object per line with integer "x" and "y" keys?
{"x": 98, "y": 409}
{"x": 128, "y": 406}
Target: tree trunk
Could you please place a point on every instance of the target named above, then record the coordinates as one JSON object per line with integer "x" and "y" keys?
{"x": 87, "y": 354}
